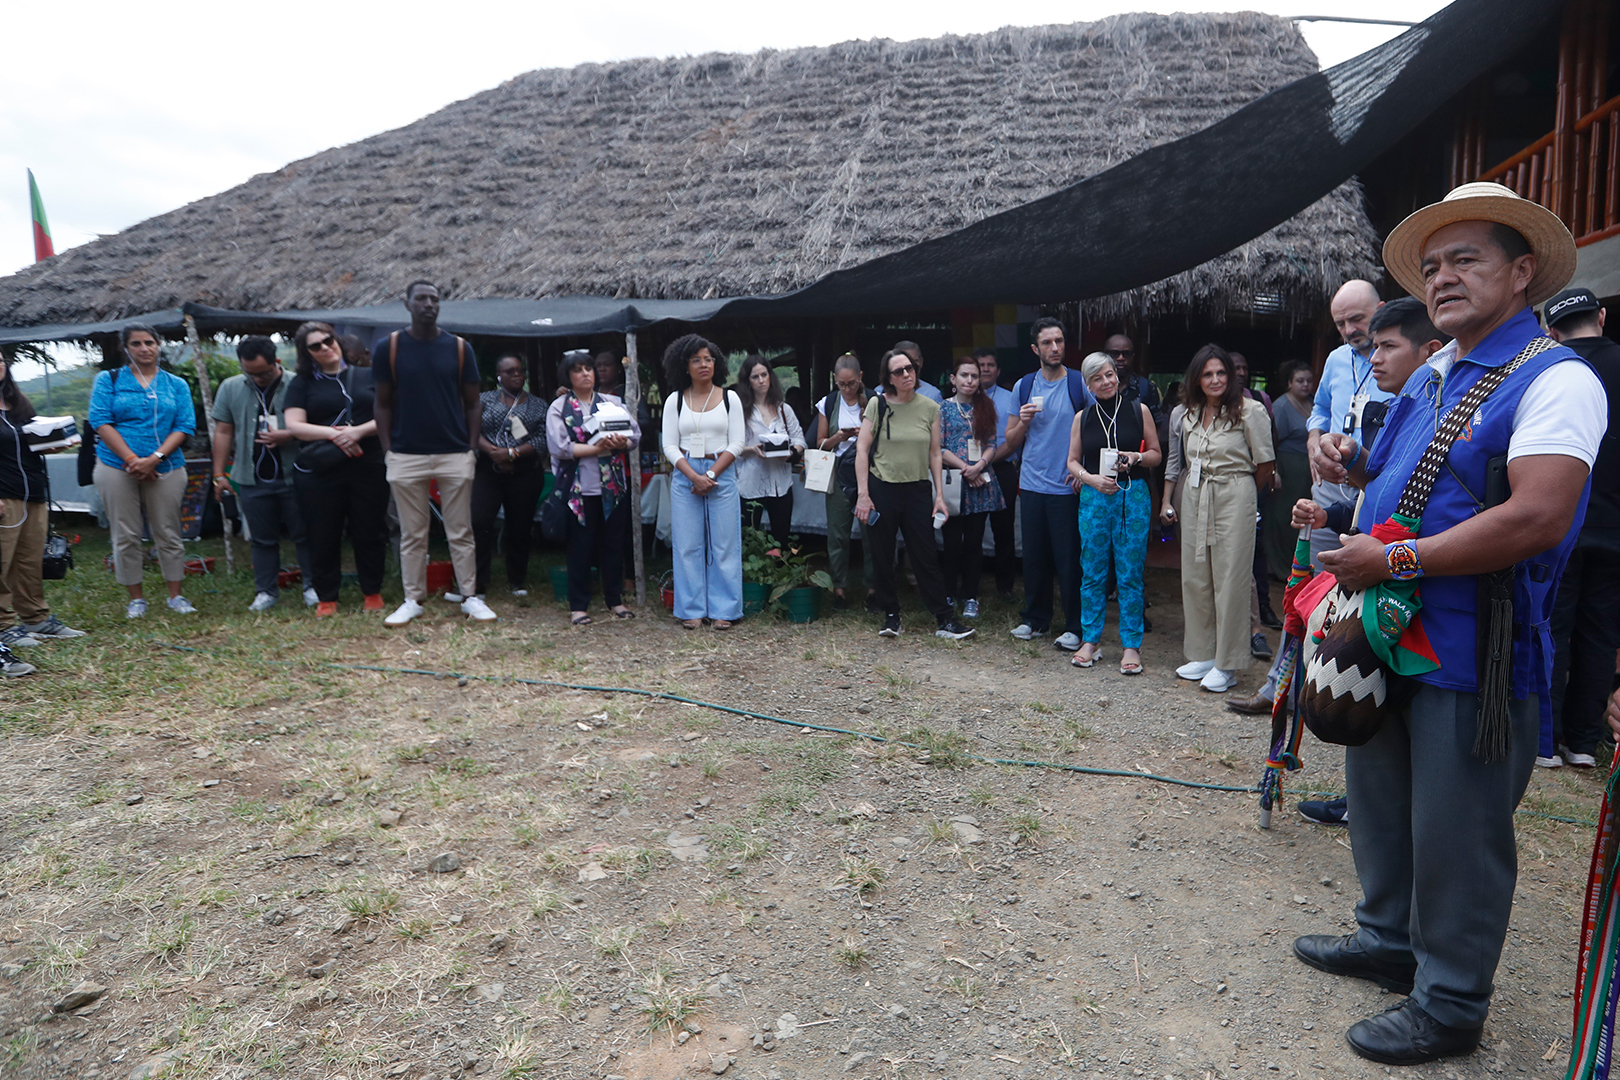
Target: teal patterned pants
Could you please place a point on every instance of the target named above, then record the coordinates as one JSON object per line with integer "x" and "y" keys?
{"x": 1113, "y": 531}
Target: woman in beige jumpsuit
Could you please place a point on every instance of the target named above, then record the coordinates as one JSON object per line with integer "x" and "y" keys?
{"x": 1227, "y": 453}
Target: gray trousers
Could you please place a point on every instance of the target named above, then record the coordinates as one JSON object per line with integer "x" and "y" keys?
{"x": 1431, "y": 827}
{"x": 270, "y": 508}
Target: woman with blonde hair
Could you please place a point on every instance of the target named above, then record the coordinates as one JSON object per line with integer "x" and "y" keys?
{"x": 1113, "y": 446}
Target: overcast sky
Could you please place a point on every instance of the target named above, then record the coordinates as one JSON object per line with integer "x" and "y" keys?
{"x": 125, "y": 111}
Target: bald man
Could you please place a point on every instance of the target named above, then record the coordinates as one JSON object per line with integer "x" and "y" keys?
{"x": 1343, "y": 397}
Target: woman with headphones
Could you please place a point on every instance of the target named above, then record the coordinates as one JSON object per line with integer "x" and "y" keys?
{"x": 141, "y": 415}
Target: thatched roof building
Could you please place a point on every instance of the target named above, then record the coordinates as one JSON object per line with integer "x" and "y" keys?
{"x": 726, "y": 175}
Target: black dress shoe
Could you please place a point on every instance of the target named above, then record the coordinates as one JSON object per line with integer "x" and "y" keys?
{"x": 1345, "y": 956}
{"x": 1406, "y": 1035}
{"x": 1268, "y": 618}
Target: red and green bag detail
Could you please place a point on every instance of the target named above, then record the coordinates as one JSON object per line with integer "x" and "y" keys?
{"x": 43, "y": 247}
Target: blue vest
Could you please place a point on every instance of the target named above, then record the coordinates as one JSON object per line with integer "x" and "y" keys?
{"x": 1450, "y": 603}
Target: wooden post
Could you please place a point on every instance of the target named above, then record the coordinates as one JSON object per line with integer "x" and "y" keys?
{"x": 632, "y": 404}
{"x": 207, "y": 394}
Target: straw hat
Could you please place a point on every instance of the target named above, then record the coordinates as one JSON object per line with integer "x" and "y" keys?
{"x": 1549, "y": 240}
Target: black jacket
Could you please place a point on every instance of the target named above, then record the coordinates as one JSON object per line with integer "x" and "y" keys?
{"x": 1603, "y": 512}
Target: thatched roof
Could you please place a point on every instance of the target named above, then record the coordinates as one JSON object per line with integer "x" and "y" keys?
{"x": 723, "y": 175}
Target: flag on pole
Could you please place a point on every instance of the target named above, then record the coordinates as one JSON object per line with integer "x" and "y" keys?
{"x": 43, "y": 248}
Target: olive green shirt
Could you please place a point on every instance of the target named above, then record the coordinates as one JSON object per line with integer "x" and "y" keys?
{"x": 900, "y": 441}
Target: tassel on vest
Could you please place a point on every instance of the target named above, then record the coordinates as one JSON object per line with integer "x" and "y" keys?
{"x": 1493, "y": 733}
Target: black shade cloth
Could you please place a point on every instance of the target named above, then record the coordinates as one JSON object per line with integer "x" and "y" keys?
{"x": 1156, "y": 215}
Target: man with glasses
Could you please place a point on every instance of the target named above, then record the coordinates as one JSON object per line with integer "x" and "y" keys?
{"x": 427, "y": 414}
{"x": 1122, "y": 350}
{"x": 249, "y": 426}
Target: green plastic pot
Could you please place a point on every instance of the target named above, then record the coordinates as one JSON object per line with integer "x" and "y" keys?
{"x": 802, "y": 605}
{"x": 755, "y": 596}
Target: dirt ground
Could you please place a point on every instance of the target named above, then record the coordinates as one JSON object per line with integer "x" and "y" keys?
{"x": 297, "y": 871}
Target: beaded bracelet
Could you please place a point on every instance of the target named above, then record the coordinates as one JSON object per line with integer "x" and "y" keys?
{"x": 1404, "y": 564}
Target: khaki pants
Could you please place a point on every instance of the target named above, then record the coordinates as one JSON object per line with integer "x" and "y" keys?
{"x": 409, "y": 476}
{"x": 1217, "y": 569}
{"x": 124, "y": 499}
{"x": 23, "y": 528}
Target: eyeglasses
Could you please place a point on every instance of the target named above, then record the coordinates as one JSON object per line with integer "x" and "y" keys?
{"x": 317, "y": 344}
{"x": 905, "y": 369}
{"x": 1121, "y": 354}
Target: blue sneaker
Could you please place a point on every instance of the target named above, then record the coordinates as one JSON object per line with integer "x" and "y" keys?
{"x": 1331, "y": 812}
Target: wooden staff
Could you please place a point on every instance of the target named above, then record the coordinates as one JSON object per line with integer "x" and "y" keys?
{"x": 632, "y": 403}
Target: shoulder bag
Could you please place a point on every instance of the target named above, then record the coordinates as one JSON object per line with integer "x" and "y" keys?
{"x": 324, "y": 455}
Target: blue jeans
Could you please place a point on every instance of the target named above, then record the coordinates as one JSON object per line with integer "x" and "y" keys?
{"x": 1113, "y": 532}
{"x": 706, "y": 534}
{"x": 1051, "y": 549}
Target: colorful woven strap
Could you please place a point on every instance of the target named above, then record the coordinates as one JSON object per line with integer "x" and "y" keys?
{"x": 1415, "y": 497}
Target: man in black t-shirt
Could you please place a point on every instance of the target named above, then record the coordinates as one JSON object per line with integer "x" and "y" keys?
{"x": 1586, "y": 615}
{"x": 427, "y": 413}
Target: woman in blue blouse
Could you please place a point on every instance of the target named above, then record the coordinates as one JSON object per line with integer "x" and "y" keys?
{"x": 968, "y": 435}
{"x": 141, "y": 414}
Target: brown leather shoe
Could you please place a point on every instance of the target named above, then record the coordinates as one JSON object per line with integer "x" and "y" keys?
{"x": 1253, "y": 705}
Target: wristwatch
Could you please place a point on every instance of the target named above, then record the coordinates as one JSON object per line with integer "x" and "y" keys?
{"x": 710, "y": 474}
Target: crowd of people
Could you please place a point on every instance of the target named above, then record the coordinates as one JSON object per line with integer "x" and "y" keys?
{"x": 1451, "y": 441}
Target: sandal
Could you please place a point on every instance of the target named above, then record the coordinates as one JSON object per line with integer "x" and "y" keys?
{"x": 1130, "y": 669}
{"x": 692, "y": 624}
{"x": 581, "y": 619}
{"x": 1089, "y": 661}
{"x": 622, "y": 612}
{"x": 721, "y": 624}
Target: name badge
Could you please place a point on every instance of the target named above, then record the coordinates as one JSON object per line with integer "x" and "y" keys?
{"x": 1358, "y": 406}
{"x": 1195, "y": 475}
{"x": 696, "y": 446}
{"x": 974, "y": 451}
{"x": 519, "y": 431}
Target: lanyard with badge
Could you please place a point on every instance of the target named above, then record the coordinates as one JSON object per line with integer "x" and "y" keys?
{"x": 1358, "y": 400}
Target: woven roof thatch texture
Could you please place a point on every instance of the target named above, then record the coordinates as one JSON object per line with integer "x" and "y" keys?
{"x": 724, "y": 175}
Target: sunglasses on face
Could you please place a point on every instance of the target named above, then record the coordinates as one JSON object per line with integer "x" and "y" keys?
{"x": 316, "y": 344}
{"x": 1121, "y": 354}
{"x": 905, "y": 369}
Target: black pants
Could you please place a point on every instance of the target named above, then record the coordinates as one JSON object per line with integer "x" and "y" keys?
{"x": 1585, "y": 632}
{"x": 352, "y": 495}
{"x": 1002, "y": 523}
{"x": 780, "y": 508}
{"x": 963, "y": 555}
{"x": 908, "y": 510}
{"x": 1051, "y": 551}
{"x": 602, "y": 540}
{"x": 518, "y": 493}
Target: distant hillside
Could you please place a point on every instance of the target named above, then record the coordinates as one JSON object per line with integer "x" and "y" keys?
{"x": 70, "y": 392}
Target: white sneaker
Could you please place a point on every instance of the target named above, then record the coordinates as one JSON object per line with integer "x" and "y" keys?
{"x": 403, "y": 614}
{"x": 1195, "y": 670}
{"x": 1068, "y": 642}
{"x": 136, "y": 610}
{"x": 1554, "y": 762}
{"x": 474, "y": 608}
{"x": 181, "y": 606}
{"x": 453, "y": 598}
{"x": 1218, "y": 681}
{"x": 262, "y": 602}
{"x": 311, "y": 597}
{"x": 520, "y": 592}
{"x": 1579, "y": 761}
{"x": 1023, "y": 632}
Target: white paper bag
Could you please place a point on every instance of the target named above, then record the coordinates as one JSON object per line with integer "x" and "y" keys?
{"x": 951, "y": 479}
{"x": 818, "y": 470}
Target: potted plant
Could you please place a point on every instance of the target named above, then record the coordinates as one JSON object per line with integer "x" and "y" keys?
{"x": 758, "y": 559}
{"x": 785, "y": 574}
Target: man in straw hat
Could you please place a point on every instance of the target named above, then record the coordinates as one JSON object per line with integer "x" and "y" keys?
{"x": 1435, "y": 789}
